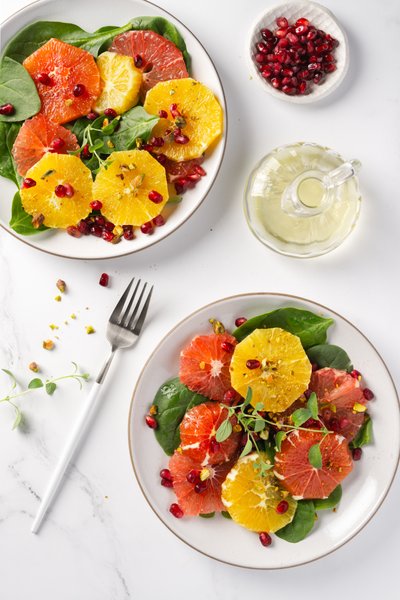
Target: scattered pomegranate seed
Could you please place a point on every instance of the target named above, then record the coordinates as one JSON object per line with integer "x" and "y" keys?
{"x": 163, "y": 114}
{"x": 157, "y": 142}
{"x": 282, "y": 507}
{"x": 74, "y": 231}
{"x": 103, "y": 281}
{"x": 167, "y": 483}
{"x": 7, "y": 110}
{"x": 356, "y": 374}
{"x": 312, "y": 424}
{"x": 28, "y": 182}
{"x": 56, "y": 145}
{"x": 334, "y": 425}
{"x": 180, "y": 138}
{"x": 227, "y": 347}
{"x": 155, "y": 197}
{"x": 176, "y": 511}
{"x": 109, "y": 226}
{"x": 265, "y": 538}
{"x": 92, "y": 115}
{"x": 239, "y": 321}
{"x": 84, "y": 227}
{"x": 147, "y": 227}
{"x": 193, "y": 476}
{"x": 100, "y": 220}
{"x": 44, "y": 79}
{"x": 79, "y": 90}
{"x": 368, "y": 394}
{"x": 166, "y": 474}
{"x": 110, "y": 112}
{"x": 60, "y": 191}
{"x": 85, "y": 153}
{"x": 151, "y": 422}
{"x": 230, "y": 396}
{"x": 108, "y": 236}
{"x": 69, "y": 190}
{"x": 96, "y": 230}
{"x": 214, "y": 445}
{"x": 201, "y": 487}
{"x": 138, "y": 61}
{"x": 158, "y": 221}
{"x": 96, "y": 205}
{"x": 356, "y": 453}
{"x": 128, "y": 232}
{"x": 173, "y": 109}
{"x": 253, "y": 363}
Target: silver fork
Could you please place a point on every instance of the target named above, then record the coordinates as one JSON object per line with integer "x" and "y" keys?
{"x": 123, "y": 330}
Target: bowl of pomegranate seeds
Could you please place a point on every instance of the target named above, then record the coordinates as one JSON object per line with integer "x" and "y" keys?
{"x": 299, "y": 52}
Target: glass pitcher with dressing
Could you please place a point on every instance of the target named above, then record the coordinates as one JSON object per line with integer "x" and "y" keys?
{"x": 303, "y": 199}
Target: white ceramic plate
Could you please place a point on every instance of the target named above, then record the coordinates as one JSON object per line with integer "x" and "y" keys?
{"x": 322, "y": 18}
{"x": 90, "y": 15}
{"x": 363, "y": 490}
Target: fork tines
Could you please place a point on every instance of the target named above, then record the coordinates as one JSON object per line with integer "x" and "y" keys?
{"x": 124, "y": 315}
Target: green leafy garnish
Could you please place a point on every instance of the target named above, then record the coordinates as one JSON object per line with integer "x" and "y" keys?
{"x": 315, "y": 456}
{"x": 330, "y": 502}
{"x": 364, "y": 435}
{"x": 301, "y": 525}
{"x": 17, "y": 88}
{"x": 20, "y": 221}
{"x": 329, "y": 355}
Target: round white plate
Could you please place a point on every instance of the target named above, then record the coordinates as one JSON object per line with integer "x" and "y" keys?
{"x": 363, "y": 490}
{"x": 90, "y": 15}
{"x": 322, "y": 18}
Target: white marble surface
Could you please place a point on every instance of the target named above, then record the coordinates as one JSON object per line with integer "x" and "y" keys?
{"x": 101, "y": 541}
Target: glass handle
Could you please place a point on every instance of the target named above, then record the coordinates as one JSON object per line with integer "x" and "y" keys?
{"x": 341, "y": 174}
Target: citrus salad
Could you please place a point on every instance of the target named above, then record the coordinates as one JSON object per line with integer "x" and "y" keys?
{"x": 101, "y": 130}
{"x": 262, "y": 425}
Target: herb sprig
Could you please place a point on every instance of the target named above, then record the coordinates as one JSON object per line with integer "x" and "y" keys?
{"x": 49, "y": 385}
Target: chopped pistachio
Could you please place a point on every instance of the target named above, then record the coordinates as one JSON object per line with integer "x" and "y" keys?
{"x": 217, "y": 326}
{"x": 68, "y": 102}
{"x": 57, "y": 298}
{"x": 34, "y": 367}
{"x": 73, "y": 316}
{"x": 61, "y": 285}
{"x": 37, "y": 220}
{"x": 48, "y": 344}
{"x": 153, "y": 410}
{"x": 90, "y": 329}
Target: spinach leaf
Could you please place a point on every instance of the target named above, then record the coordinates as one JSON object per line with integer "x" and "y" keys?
{"x": 173, "y": 400}
{"x": 303, "y": 522}
{"x": 20, "y": 221}
{"x": 364, "y": 435}
{"x": 331, "y": 501}
{"x": 328, "y": 355}
{"x": 17, "y": 88}
{"x": 135, "y": 123}
{"x": 309, "y": 327}
{"x": 8, "y": 133}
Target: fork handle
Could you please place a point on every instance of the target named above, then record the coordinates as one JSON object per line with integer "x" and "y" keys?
{"x": 71, "y": 447}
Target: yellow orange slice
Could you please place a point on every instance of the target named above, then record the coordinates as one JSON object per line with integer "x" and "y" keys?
{"x": 120, "y": 82}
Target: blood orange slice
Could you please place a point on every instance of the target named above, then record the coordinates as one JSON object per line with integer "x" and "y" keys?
{"x": 67, "y": 79}
{"x": 158, "y": 58}
{"x": 208, "y": 479}
{"x": 38, "y": 136}
{"x": 341, "y": 401}
{"x": 204, "y": 365}
{"x": 198, "y": 430}
{"x": 299, "y": 477}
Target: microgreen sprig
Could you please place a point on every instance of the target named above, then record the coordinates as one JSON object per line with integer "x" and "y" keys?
{"x": 96, "y": 137}
{"x": 49, "y": 385}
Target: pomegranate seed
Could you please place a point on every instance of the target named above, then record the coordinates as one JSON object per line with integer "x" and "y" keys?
{"x": 276, "y": 68}
{"x": 302, "y": 87}
{"x": 266, "y": 72}
{"x": 73, "y": 231}
{"x": 318, "y": 78}
{"x": 79, "y": 90}
{"x": 357, "y": 453}
{"x": 155, "y": 197}
{"x": 180, "y": 138}
{"x": 267, "y": 34}
{"x": 282, "y": 507}
{"x": 276, "y": 82}
{"x": 104, "y": 279}
{"x": 151, "y": 422}
{"x": 239, "y": 321}
{"x": 227, "y": 347}
{"x": 69, "y": 190}
{"x": 314, "y": 367}
{"x": 329, "y": 67}
{"x": 176, "y": 511}
{"x": 289, "y": 90}
{"x": 262, "y": 47}
{"x": 109, "y": 226}
{"x": 230, "y": 396}
{"x": 334, "y": 425}
{"x": 368, "y": 394}
{"x": 312, "y": 424}
{"x": 100, "y": 220}
{"x": 214, "y": 445}
{"x": 128, "y": 232}
{"x": 301, "y": 29}
{"x": 92, "y": 115}
{"x": 173, "y": 109}
{"x": 282, "y": 22}
{"x": 108, "y": 236}
{"x": 167, "y": 483}
{"x": 265, "y": 538}
{"x": 96, "y": 230}
{"x": 110, "y": 112}
{"x": 356, "y": 374}
{"x": 7, "y": 109}
{"x": 84, "y": 227}
{"x": 343, "y": 423}
{"x": 193, "y": 476}
{"x": 327, "y": 414}
{"x": 166, "y": 474}
{"x": 260, "y": 58}
{"x": 198, "y": 169}
{"x": 138, "y": 61}
{"x": 28, "y": 182}
{"x": 280, "y": 33}
{"x": 311, "y": 35}
{"x": 292, "y": 37}
{"x": 163, "y": 114}
{"x": 253, "y": 363}
{"x": 200, "y": 487}
{"x": 314, "y": 66}
{"x": 96, "y": 205}
{"x": 86, "y": 152}
{"x": 157, "y": 142}
{"x": 60, "y": 191}
{"x": 56, "y": 145}
{"x": 44, "y": 79}
{"x": 158, "y": 221}
{"x": 147, "y": 227}
{"x": 302, "y": 21}
{"x": 283, "y": 43}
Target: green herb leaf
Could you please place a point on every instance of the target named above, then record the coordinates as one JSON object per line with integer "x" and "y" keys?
{"x": 223, "y": 431}
{"x": 97, "y": 144}
{"x": 135, "y": 123}
{"x": 18, "y": 417}
{"x": 35, "y": 383}
{"x": 280, "y": 436}
{"x": 312, "y": 405}
{"x": 174, "y": 199}
{"x": 328, "y": 355}
{"x": 17, "y": 88}
{"x": 51, "y": 387}
{"x": 364, "y": 435}
{"x": 248, "y": 398}
{"x": 12, "y": 377}
{"x": 8, "y": 133}
{"x": 172, "y": 401}
{"x": 225, "y": 514}
{"x": 315, "y": 456}
{"x": 258, "y": 425}
{"x": 309, "y": 327}
{"x": 259, "y": 406}
{"x": 331, "y": 501}
{"x": 207, "y": 515}
{"x": 300, "y": 416}
{"x": 247, "y": 448}
{"x": 20, "y": 221}
{"x": 302, "y": 524}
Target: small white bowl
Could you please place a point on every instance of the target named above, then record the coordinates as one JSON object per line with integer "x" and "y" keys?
{"x": 323, "y": 19}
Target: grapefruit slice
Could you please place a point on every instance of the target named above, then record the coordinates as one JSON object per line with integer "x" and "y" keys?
{"x": 38, "y": 136}
{"x": 120, "y": 82}
{"x": 204, "y": 365}
{"x": 299, "y": 477}
{"x": 157, "y": 58}
{"x": 55, "y": 170}
{"x": 124, "y": 185}
{"x": 210, "y": 478}
{"x": 340, "y": 399}
{"x": 272, "y": 362}
{"x": 252, "y": 499}
{"x": 67, "y": 80}
{"x": 194, "y": 117}
{"x": 198, "y": 429}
